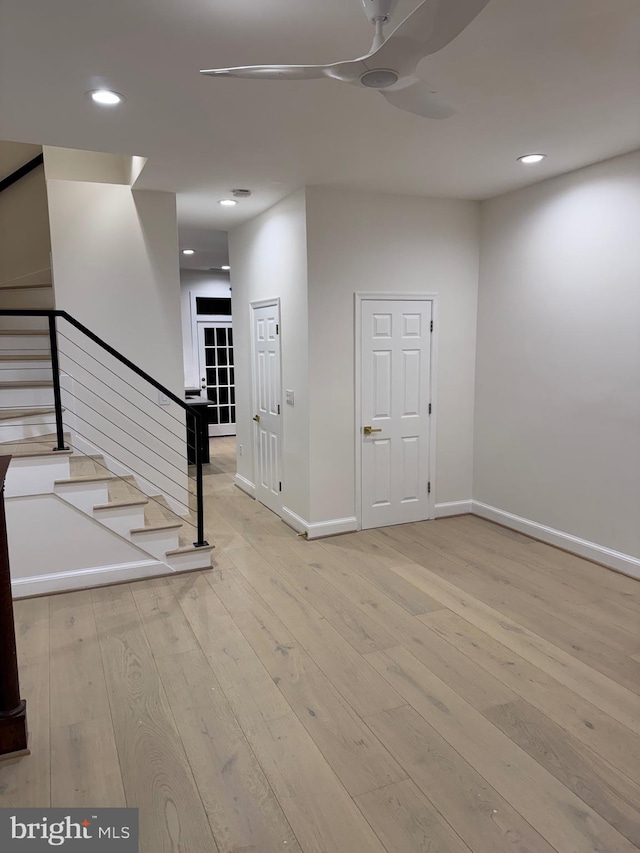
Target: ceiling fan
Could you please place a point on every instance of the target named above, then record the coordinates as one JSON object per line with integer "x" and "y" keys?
{"x": 390, "y": 64}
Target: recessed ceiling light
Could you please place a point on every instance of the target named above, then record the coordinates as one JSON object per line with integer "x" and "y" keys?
{"x": 105, "y": 97}
{"x": 227, "y": 202}
{"x": 225, "y": 267}
{"x": 531, "y": 158}
{"x": 188, "y": 251}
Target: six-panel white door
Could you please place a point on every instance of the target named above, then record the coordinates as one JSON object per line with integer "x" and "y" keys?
{"x": 267, "y": 403}
{"x": 395, "y": 405}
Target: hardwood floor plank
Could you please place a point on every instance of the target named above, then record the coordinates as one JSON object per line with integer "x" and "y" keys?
{"x": 453, "y": 667}
{"x": 78, "y": 689}
{"x": 591, "y": 726}
{"x": 320, "y": 811}
{"x": 354, "y": 624}
{"x": 156, "y": 775}
{"x": 406, "y": 822}
{"x": 166, "y": 628}
{"x": 85, "y": 770}
{"x": 549, "y": 806}
{"x": 484, "y": 820}
{"x": 26, "y": 782}
{"x": 349, "y": 673}
{"x": 609, "y": 792}
{"x": 356, "y": 756}
{"x": 243, "y": 811}
{"x": 606, "y": 694}
{"x": 32, "y": 630}
{"x": 373, "y": 571}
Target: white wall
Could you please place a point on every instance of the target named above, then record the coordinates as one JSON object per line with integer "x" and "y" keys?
{"x": 24, "y": 230}
{"x": 214, "y": 283}
{"x": 558, "y": 375}
{"x": 115, "y": 264}
{"x": 373, "y": 242}
{"x": 268, "y": 257}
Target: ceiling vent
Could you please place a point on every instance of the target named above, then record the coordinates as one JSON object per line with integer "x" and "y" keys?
{"x": 241, "y": 193}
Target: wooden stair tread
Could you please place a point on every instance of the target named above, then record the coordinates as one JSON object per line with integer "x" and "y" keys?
{"x": 87, "y": 478}
{"x": 122, "y": 503}
{"x": 28, "y": 454}
{"x": 149, "y": 528}
{"x": 28, "y": 383}
{"x": 190, "y": 549}
{"x": 8, "y": 414}
{"x": 17, "y": 332}
{"x": 29, "y": 357}
{"x": 26, "y": 286}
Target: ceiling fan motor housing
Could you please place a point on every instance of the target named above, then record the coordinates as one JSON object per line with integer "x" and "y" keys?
{"x": 379, "y": 10}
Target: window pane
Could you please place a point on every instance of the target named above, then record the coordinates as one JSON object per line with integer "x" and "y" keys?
{"x": 223, "y": 376}
{"x": 220, "y": 337}
{"x": 223, "y": 395}
{"x": 212, "y": 305}
{"x": 222, "y": 356}
{"x": 212, "y": 394}
{"x": 209, "y": 337}
{"x": 224, "y": 414}
{"x": 212, "y": 413}
{"x": 233, "y": 414}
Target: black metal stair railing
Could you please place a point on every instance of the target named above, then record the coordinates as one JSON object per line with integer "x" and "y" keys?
{"x": 192, "y": 416}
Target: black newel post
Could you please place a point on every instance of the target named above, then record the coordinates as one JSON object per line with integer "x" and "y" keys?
{"x": 13, "y": 710}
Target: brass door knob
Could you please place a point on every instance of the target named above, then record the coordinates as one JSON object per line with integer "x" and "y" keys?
{"x": 368, "y": 430}
{"x": 256, "y": 418}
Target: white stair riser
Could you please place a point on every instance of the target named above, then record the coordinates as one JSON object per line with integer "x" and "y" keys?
{"x": 40, "y": 298}
{"x": 191, "y": 560}
{"x": 16, "y": 371}
{"x": 121, "y": 519}
{"x": 84, "y": 496}
{"x": 34, "y": 475}
{"x": 156, "y": 542}
{"x": 23, "y": 398}
{"x": 23, "y": 344}
{"x": 17, "y": 429}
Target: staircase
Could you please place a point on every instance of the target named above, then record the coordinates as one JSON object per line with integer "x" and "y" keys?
{"x": 80, "y": 477}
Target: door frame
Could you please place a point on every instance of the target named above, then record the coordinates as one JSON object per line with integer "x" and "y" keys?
{"x": 253, "y": 304}
{"x": 359, "y": 298}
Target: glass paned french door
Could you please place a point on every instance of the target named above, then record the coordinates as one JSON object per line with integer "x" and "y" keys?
{"x": 217, "y": 376}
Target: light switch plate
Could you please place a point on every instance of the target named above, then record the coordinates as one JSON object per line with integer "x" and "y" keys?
{"x": 163, "y": 400}
{"x": 289, "y": 397}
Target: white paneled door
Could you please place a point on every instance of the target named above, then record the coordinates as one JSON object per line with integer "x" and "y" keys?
{"x": 267, "y": 405}
{"x": 395, "y": 409}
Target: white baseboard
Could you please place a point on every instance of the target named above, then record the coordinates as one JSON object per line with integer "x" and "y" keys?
{"x": 444, "y": 510}
{"x": 624, "y": 563}
{"x": 246, "y": 485}
{"x": 85, "y": 578}
{"x": 319, "y": 529}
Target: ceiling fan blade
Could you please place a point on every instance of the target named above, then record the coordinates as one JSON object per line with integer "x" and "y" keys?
{"x": 270, "y": 72}
{"x": 429, "y": 28}
{"x": 348, "y": 72}
{"x": 417, "y": 98}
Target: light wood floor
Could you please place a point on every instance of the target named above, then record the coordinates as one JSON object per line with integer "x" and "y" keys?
{"x": 447, "y": 686}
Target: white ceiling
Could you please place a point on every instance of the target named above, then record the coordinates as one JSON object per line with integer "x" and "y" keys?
{"x": 561, "y": 76}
